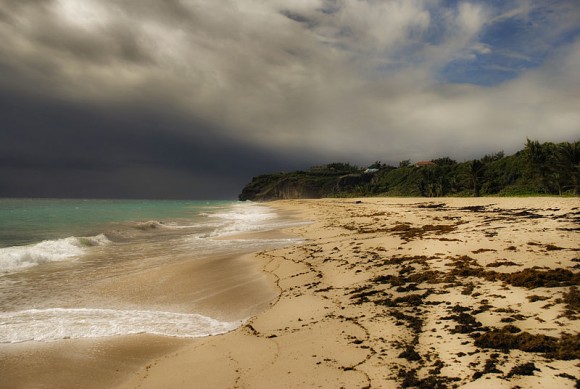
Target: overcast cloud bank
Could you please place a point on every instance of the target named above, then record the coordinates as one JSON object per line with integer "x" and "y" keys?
{"x": 181, "y": 91}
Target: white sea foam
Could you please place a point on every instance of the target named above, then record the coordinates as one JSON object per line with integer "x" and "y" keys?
{"x": 248, "y": 217}
{"x": 204, "y": 245}
{"x": 20, "y": 257}
{"x": 150, "y": 225}
{"x": 46, "y": 325}
{"x": 172, "y": 225}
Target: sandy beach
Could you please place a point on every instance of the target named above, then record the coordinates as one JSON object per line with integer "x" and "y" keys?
{"x": 393, "y": 292}
{"x": 383, "y": 293}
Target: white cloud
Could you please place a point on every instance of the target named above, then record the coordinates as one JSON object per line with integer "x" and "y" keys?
{"x": 84, "y": 15}
{"x": 359, "y": 79}
{"x": 471, "y": 18}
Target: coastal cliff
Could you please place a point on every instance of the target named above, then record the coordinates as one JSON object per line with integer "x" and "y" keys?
{"x": 538, "y": 169}
{"x": 322, "y": 181}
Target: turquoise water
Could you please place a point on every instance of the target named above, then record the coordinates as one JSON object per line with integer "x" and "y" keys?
{"x": 26, "y": 221}
{"x": 92, "y": 268}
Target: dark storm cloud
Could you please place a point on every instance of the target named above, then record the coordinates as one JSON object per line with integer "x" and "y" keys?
{"x": 54, "y": 149}
{"x": 141, "y": 97}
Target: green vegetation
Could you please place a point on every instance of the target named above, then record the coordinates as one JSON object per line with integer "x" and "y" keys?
{"x": 538, "y": 169}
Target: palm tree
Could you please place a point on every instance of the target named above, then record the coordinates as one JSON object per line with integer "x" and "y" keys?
{"x": 476, "y": 170}
{"x": 568, "y": 163}
{"x": 540, "y": 157}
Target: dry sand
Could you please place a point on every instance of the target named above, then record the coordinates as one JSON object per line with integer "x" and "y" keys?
{"x": 390, "y": 293}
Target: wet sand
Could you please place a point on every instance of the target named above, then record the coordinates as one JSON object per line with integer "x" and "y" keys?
{"x": 80, "y": 363}
{"x": 226, "y": 288}
{"x": 390, "y": 293}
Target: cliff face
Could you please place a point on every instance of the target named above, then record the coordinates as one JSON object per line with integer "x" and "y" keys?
{"x": 262, "y": 190}
{"x": 300, "y": 185}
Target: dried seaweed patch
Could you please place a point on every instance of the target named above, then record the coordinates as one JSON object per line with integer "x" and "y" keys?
{"x": 502, "y": 263}
{"x": 567, "y": 347}
{"x": 534, "y": 278}
{"x": 524, "y": 369}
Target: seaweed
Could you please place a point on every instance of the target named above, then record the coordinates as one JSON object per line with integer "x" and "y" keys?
{"x": 450, "y": 240}
{"x": 466, "y": 323}
{"x": 566, "y": 348}
{"x": 468, "y": 289}
{"x": 527, "y": 214}
{"x": 363, "y": 297}
{"x": 499, "y": 263}
{"x": 524, "y": 369}
{"x": 465, "y": 266}
{"x": 474, "y": 208}
{"x": 490, "y": 367}
{"x": 535, "y": 297}
{"x": 513, "y": 318}
{"x": 458, "y": 308}
{"x": 503, "y": 339}
{"x": 413, "y": 300}
{"x": 410, "y": 380}
{"x": 410, "y": 354}
{"x": 572, "y": 299}
{"x": 428, "y": 276}
{"x": 437, "y": 366}
{"x": 511, "y": 329}
{"x": 413, "y": 322}
{"x": 422, "y": 259}
{"x": 408, "y": 288}
{"x": 570, "y": 377}
{"x": 407, "y": 232}
{"x": 533, "y": 278}
{"x": 479, "y": 251}
{"x": 389, "y": 279}
{"x": 432, "y": 205}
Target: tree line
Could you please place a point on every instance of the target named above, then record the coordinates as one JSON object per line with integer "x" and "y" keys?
{"x": 538, "y": 169}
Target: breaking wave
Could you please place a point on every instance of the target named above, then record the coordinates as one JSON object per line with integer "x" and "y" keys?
{"x": 248, "y": 217}
{"x": 20, "y": 257}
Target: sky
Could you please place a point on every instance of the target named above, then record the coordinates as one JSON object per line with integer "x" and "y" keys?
{"x": 192, "y": 98}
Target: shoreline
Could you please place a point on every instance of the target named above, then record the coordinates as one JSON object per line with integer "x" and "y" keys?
{"x": 227, "y": 288}
{"x": 396, "y": 292}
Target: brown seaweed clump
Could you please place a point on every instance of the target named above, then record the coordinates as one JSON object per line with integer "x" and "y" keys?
{"x": 524, "y": 369}
{"x": 572, "y": 299}
{"x": 466, "y": 323}
{"x": 410, "y": 380}
{"x": 490, "y": 367}
{"x": 567, "y": 347}
{"x": 407, "y": 232}
{"x": 502, "y": 263}
{"x": 534, "y": 278}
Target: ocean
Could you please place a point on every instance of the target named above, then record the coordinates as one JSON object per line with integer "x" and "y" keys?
{"x": 73, "y": 269}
